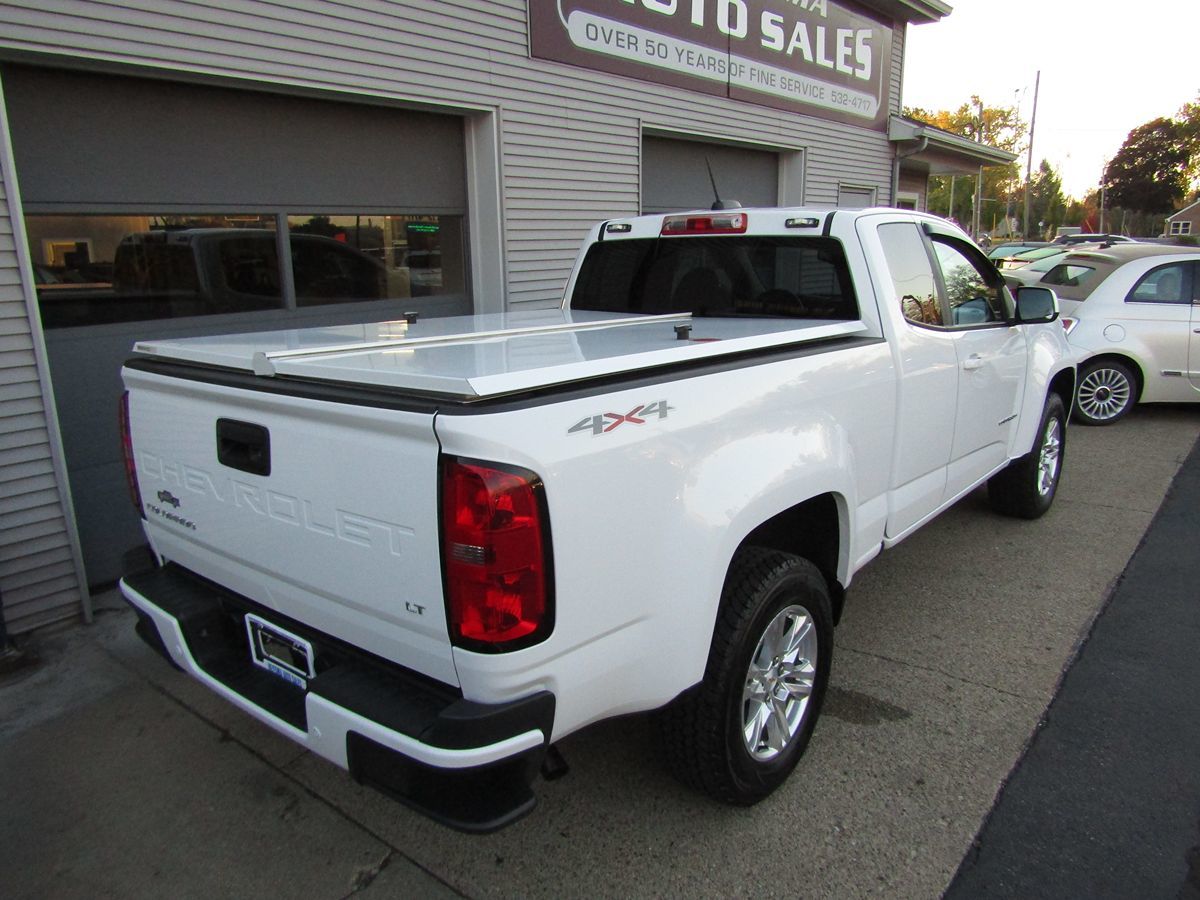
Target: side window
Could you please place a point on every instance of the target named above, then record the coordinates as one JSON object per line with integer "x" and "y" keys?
{"x": 1068, "y": 275}
{"x": 975, "y": 293}
{"x": 912, "y": 273}
{"x": 1166, "y": 284}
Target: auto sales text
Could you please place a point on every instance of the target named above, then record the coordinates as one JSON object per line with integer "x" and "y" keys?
{"x": 846, "y": 50}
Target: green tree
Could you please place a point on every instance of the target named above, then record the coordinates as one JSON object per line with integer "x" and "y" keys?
{"x": 1189, "y": 120}
{"x": 1047, "y": 205}
{"x": 1150, "y": 172}
{"x": 996, "y": 126}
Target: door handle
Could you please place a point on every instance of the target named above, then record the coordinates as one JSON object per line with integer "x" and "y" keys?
{"x": 244, "y": 446}
{"x": 974, "y": 361}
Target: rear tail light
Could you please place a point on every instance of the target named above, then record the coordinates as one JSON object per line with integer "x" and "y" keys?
{"x": 127, "y": 453}
{"x": 705, "y": 223}
{"x": 496, "y": 556}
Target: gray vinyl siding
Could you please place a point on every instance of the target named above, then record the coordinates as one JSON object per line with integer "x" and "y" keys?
{"x": 899, "y": 38}
{"x": 569, "y": 139}
{"x": 39, "y": 576}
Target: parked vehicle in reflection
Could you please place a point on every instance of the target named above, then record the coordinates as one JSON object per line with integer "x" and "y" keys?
{"x": 204, "y": 271}
{"x": 1130, "y": 311}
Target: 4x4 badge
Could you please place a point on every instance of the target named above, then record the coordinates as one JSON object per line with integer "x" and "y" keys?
{"x": 168, "y": 499}
{"x": 606, "y": 422}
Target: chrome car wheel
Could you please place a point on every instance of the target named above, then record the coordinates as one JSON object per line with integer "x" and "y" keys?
{"x": 1049, "y": 458}
{"x": 779, "y": 683}
{"x": 1105, "y": 393}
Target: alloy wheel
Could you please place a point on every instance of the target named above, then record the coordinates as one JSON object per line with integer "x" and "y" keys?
{"x": 779, "y": 683}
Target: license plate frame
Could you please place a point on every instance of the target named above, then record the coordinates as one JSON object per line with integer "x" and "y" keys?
{"x": 284, "y": 654}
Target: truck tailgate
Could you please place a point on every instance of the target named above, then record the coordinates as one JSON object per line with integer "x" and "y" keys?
{"x": 325, "y": 512}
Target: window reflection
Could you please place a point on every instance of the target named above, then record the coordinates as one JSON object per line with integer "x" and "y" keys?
{"x": 912, "y": 273}
{"x": 349, "y": 258}
{"x": 90, "y": 270}
{"x": 97, "y": 269}
{"x": 972, "y": 300}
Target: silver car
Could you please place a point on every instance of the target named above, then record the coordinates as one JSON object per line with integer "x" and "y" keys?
{"x": 1132, "y": 312}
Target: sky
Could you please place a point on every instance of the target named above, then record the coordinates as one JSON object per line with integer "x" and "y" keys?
{"x": 1107, "y": 67}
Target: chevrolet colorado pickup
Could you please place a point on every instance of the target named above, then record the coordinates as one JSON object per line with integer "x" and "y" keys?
{"x": 429, "y": 549}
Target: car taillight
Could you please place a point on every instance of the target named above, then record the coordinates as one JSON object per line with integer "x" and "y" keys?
{"x": 705, "y": 223}
{"x": 127, "y": 453}
{"x": 496, "y": 556}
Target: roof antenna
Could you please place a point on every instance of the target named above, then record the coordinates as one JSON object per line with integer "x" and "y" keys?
{"x": 718, "y": 203}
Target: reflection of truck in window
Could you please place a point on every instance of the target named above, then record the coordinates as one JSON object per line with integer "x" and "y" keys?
{"x": 205, "y": 271}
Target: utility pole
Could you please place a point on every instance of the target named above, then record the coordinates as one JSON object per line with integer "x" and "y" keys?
{"x": 1029, "y": 160}
{"x": 1103, "y": 193}
{"x": 976, "y": 212}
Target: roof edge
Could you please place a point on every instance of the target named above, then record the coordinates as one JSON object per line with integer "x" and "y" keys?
{"x": 902, "y": 128}
{"x": 1182, "y": 211}
{"x": 915, "y": 12}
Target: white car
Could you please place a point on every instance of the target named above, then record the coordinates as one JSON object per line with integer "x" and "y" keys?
{"x": 1035, "y": 272}
{"x": 1131, "y": 313}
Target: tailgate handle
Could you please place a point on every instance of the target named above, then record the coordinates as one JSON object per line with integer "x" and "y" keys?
{"x": 244, "y": 446}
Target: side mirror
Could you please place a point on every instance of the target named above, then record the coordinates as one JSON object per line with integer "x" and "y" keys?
{"x": 1036, "y": 305}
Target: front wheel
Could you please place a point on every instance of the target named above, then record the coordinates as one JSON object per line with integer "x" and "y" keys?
{"x": 1107, "y": 391}
{"x": 740, "y": 732}
{"x": 1026, "y": 488}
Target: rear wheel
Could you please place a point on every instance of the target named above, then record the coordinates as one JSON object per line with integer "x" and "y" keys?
{"x": 1107, "y": 391}
{"x": 1026, "y": 488}
{"x": 740, "y": 732}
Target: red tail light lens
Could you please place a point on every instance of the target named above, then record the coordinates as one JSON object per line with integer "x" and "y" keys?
{"x": 127, "y": 453}
{"x": 496, "y": 554}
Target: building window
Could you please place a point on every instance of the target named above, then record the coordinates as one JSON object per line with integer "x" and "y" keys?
{"x": 1181, "y": 228}
{"x": 99, "y": 269}
{"x": 381, "y": 257}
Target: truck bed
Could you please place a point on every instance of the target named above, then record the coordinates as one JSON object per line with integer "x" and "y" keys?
{"x": 475, "y": 357}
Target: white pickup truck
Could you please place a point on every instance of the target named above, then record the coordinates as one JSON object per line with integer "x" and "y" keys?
{"x": 428, "y": 549}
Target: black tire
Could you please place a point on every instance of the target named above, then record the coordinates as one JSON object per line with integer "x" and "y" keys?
{"x": 704, "y": 730}
{"x": 1026, "y": 488}
{"x": 1107, "y": 391}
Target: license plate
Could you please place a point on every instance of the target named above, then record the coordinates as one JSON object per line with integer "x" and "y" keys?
{"x": 283, "y": 654}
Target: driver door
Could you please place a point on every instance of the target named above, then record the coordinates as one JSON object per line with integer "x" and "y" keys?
{"x": 992, "y": 356}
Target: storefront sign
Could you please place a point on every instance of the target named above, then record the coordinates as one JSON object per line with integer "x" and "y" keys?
{"x": 815, "y": 57}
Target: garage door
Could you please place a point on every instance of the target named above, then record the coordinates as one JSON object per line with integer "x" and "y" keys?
{"x": 158, "y": 209}
{"x": 675, "y": 175}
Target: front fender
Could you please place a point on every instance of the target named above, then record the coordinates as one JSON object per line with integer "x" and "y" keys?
{"x": 1049, "y": 355}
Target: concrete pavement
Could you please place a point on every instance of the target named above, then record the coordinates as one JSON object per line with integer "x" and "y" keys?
{"x": 122, "y": 777}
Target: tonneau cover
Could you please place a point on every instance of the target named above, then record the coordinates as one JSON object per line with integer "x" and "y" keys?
{"x": 471, "y": 357}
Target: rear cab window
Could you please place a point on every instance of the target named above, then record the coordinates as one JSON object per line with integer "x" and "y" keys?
{"x": 764, "y": 276}
{"x": 1068, "y": 275}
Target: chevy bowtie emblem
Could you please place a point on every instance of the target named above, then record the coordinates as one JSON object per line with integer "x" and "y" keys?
{"x": 168, "y": 498}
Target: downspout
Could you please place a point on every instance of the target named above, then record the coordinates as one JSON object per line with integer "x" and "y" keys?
{"x": 920, "y": 148}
